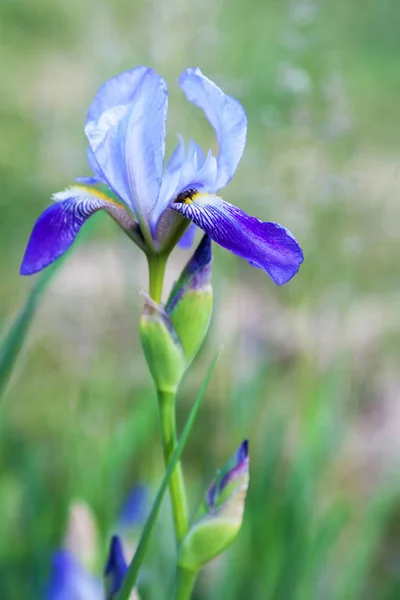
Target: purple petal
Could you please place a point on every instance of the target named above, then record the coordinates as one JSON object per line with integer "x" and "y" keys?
{"x": 70, "y": 581}
{"x": 115, "y": 568}
{"x": 126, "y": 131}
{"x": 56, "y": 228}
{"x": 225, "y": 114}
{"x": 266, "y": 245}
{"x": 187, "y": 239}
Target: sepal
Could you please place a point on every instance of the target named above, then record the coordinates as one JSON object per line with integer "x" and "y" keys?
{"x": 220, "y": 516}
{"x": 161, "y": 347}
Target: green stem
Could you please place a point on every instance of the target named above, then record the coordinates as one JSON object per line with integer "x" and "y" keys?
{"x": 157, "y": 264}
{"x": 185, "y": 584}
{"x": 166, "y": 402}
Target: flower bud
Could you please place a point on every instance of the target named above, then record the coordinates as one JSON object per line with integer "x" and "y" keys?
{"x": 162, "y": 348}
{"x": 115, "y": 570}
{"x": 220, "y": 517}
{"x": 190, "y": 303}
{"x": 172, "y": 337}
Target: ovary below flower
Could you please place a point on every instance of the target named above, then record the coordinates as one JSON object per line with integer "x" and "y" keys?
{"x": 125, "y": 128}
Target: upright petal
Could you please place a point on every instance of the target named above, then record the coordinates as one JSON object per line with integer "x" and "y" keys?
{"x": 266, "y": 245}
{"x": 118, "y": 90}
{"x": 69, "y": 580}
{"x": 56, "y": 229}
{"x": 126, "y": 131}
{"x": 225, "y": 114}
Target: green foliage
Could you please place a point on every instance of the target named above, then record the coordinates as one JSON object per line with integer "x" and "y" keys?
{"x": 307, "y": 372}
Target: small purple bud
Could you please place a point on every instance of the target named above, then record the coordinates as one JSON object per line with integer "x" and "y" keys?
{"x": 189, "y": 306}
{"x": 115, "y": 569}
{"x": 220, "y": 517}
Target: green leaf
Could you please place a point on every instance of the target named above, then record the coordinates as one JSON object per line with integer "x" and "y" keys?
{"x": 132, "y": 573}
{"x": 13, "y": 340}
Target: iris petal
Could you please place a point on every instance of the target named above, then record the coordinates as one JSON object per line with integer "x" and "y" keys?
{"x": 56, "y": 229}
{"x": 69, "y": 581}
{"x": 126, "y": 131}
{"x": 187, "y": 238}
{"x": 266, "y": 245}
{"x": 118, "y": 90}
{"x": 225, "y": 114}
{"x": 98, "y": 176}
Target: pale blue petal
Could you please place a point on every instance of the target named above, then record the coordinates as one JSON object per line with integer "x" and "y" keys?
{"x": 194, "y": 148}
{"x": 177, "y": 158}
{"x": 225, "y": 114}
{"x": 170, "y": 179}
{"x": 98, "y": 176}
{"x": 126, "y": 131}
{"x": 118, "y": 90}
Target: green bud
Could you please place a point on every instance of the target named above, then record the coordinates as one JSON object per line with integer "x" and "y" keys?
{"x": 220, "y": 517}
{"x": 190, "y": 303}
{"x": 162, "y": 348}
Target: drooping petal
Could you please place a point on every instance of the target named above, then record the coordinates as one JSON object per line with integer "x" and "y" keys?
{"x": 56, "y": 228}
{"x": 266, "y": 245}
{"x": 225, "y": 114}
{"x": 70, "y": 581}
{"x": 126, "y": 131}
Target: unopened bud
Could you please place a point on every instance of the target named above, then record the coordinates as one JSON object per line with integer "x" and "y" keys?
{"x": 220, "y": 517}
{"x": 162, "y": 348}
{"x": 190, "y": 303}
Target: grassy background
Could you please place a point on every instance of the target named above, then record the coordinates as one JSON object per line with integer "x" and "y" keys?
{"x": 308, "y": 372}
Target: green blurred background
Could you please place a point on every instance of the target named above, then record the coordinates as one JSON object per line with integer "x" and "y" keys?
{"x": 308, "y": 372}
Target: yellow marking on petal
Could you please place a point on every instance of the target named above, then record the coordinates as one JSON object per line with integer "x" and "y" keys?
{"x": 97, "y": 194}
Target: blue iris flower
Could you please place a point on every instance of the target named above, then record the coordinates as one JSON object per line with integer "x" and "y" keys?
{"x": 70, "y": 581}
{"x": 125, "y": 128}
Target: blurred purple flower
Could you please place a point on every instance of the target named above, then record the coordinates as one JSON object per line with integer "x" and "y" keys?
{"x": 70, "y": 581}
{"x": 134, "y": 509}
{"x": 125, "y": 128}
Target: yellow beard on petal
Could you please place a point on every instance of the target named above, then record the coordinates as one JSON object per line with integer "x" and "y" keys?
{"x": 96, "y": 194}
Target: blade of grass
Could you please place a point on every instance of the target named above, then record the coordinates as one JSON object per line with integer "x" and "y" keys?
{"x": 13, "y": 340}
{"x": 132, "y": 573}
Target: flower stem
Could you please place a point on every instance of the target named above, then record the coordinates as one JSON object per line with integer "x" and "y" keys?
{"x": 185, "y": 584}
{"x": 166, "y": 401}
{"x": 157, "y": 264}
